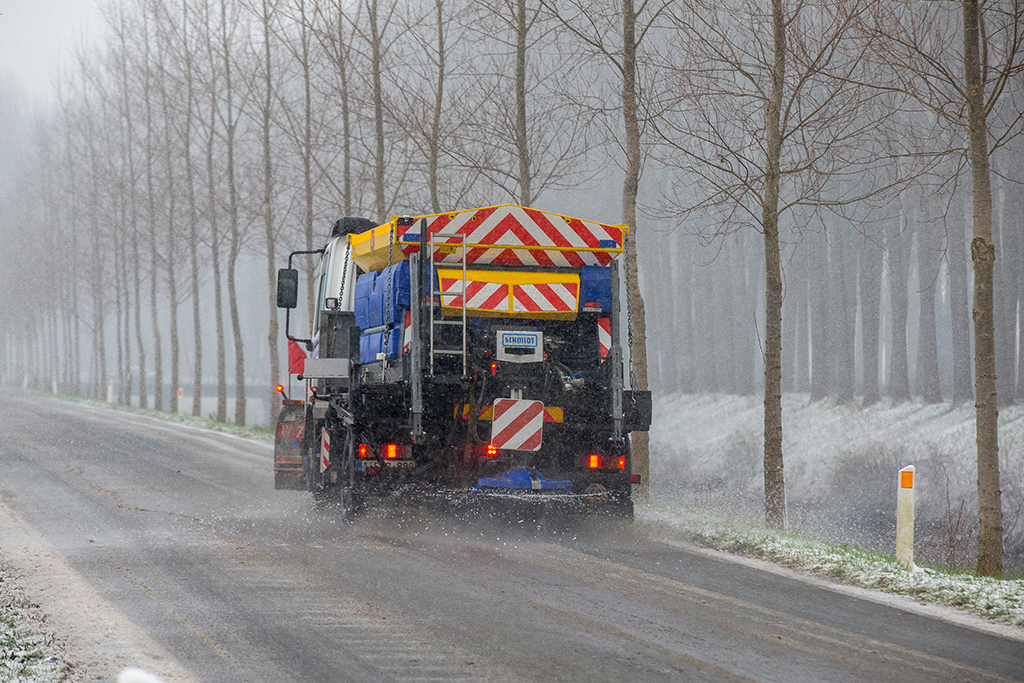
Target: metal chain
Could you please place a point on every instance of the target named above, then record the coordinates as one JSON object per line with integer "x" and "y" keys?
{"x": 629, "y": 311}
{"x": 344, "y": 273}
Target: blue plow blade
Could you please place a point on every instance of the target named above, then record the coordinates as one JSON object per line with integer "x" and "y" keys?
{"x": 522, "y": 478}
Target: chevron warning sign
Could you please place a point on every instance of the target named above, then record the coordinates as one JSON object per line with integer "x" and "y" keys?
{"x": 481, "y": 296}
{"x": 604, "y": 335}
{"x": 405, "y": 333}
{"x": 517, "y": 425}
{"x": 557, "y": 296}
{"x": 325, "y": 450}
{"x": 514, "y": 235}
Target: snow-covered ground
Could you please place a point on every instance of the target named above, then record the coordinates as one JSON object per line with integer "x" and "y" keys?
{"x": 27, "y": 651}
{"x": 841, "y": 465}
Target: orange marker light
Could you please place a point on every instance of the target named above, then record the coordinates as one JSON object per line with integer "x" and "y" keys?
{"x": 391, "y": 451}
{"x": 595, "y": 461}
{"x": 280, "y": 387}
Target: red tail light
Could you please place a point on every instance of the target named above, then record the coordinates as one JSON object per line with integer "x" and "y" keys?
{"x": 363, "y": 451}
{"x": 494, "y": 368}
{"x": 491, "y": 450}
{"x": 622, "y": 462}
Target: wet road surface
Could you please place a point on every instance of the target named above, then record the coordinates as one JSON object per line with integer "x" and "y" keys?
{"x": 181, "y": 531}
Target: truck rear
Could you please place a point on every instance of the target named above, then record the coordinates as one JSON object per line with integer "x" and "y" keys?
{"x": 472, "y": 353}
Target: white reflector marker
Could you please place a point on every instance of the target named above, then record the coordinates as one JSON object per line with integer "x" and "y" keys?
{"x": 517, "y": 425}
{"x": 905, "y": 518}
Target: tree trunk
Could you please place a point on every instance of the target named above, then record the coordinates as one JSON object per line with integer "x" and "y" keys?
{"x": 522, "y": 141}
{"x": 821, "y": 362}
{"x": 193, "y": 224}
{"x": 268, "y": 219}
{"x": 870, "y": 302}
{"x": 630, "y": 187}
{"x": 222, "y": 390}
{"x": 376, "y": 40}
{"x": 928, "y": 384}
{"x": 434, "y": 143}
{"x": 983, "y": 254}
{"x": 235, "y": 243}
{"x": 307, "y": 159}
{"x": 898, "y": 244}
{"x": 1007, "y": 279}
{"x": 845, "y": 294}
{"x": 774, "y": 482}
{"x": 151, "y": 218}
{"x": 956, "y": 253}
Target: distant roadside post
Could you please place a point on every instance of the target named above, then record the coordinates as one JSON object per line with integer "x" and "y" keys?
{"x": 905, "y": 518}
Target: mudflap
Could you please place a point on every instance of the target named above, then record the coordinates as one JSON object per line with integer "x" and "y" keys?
{"x": 288, "y": 464}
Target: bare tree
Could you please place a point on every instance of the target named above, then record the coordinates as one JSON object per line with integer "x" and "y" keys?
{"x": 761, "y": 128}
{"x": 919, "y": 47}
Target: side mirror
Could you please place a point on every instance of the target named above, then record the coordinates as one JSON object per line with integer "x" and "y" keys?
{"x": 287, "y": 287}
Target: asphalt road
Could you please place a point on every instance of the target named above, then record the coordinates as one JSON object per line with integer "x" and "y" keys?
{"x": 181, "y": 532}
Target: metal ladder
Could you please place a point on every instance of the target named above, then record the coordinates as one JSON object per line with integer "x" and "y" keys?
{"x": 441, "y": 240}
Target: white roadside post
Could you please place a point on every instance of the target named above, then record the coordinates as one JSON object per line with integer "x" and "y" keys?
{"x": 905, "y": 518}
{"x": 181, "y": 402}
{"x": 110, "y": 391}
{"x": 53, "y": 384}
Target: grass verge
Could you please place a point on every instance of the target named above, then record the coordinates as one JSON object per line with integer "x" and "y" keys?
{"x": 1000, "y": 600}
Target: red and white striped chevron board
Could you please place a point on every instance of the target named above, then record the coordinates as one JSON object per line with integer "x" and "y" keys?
{"x": 406, "y": 337}
{"x": 604, "y": 335}
{"x": 482, "y": 296}
{"x": 325, "y": 450}
{"x": 517, "y": 425}
{"x": 558, "y": 296}
{"x": 517, "y": 236}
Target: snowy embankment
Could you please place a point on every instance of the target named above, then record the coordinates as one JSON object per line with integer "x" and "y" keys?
{"x": 25, "y": 652}
{"x": 841, "y": 465}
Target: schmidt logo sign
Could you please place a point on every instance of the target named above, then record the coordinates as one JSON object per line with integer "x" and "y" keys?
{"x": 520, "y": 339}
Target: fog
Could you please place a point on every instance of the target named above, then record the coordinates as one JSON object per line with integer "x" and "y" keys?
{"x": 158, "y": 174}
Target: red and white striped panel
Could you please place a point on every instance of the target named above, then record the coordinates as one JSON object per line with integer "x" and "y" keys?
{"x": 480, "y": 296}
{"x": 325, "y": 450}
{"x": 517, "y": 425}
{"x": 604, "y": 335}
{"x": 558, "y": 296}
{"x": 406, "y": 337}
{"x": 517, "y": 236}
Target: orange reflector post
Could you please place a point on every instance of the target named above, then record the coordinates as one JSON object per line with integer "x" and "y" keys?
{"x": 906, "y": 479}
{"x": 595, "y": 461}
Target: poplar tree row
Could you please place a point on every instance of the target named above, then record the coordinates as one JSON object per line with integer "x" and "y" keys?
{"x": 801, "y": 170}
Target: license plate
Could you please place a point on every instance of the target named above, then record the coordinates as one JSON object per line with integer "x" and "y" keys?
{"x": 400, "y": 463}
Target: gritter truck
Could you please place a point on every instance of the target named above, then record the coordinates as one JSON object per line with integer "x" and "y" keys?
{"x": 471, "y": 353}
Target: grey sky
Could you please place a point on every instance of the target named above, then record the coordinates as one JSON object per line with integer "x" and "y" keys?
{"x": 37, "y": 37}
